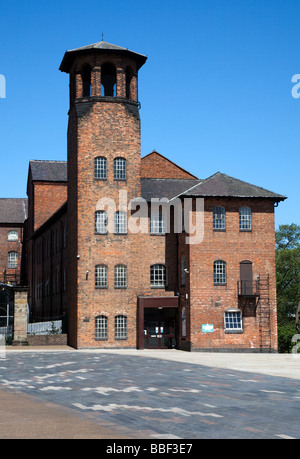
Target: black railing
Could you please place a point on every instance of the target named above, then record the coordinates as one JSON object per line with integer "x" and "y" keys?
{"x": 248, "y": 288}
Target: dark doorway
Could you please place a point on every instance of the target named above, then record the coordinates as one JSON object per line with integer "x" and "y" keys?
{"x": 246, "y": 277}
{"x": 160, "y": 328}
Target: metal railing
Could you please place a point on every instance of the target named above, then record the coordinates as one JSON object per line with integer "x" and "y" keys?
{"x": 248, "y": 288}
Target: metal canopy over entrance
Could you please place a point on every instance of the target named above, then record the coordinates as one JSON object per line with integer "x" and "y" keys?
{"x": 158, "y": 322}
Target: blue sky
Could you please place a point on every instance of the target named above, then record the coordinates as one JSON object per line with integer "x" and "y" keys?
{"x": 215, "y": 90}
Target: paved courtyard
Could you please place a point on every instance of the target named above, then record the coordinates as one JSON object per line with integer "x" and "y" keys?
{"x": 140, "y": 395}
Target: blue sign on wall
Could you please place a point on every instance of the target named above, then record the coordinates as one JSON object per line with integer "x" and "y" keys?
{"x": 207, "y": 328}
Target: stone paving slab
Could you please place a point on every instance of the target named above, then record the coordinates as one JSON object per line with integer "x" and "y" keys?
{"x": 152, "y": 395}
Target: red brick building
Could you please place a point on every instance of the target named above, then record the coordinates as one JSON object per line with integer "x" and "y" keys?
{"x": 137, "y": 251}
{"x": 13, "y": 213}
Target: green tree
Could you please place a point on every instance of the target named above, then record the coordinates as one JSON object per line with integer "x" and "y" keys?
{"x": 288, "y": 283}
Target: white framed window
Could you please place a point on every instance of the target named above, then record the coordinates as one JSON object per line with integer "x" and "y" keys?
{"x": 101, "y": 276}
{"x": 120, "y": 169}
{"x": 101, "y": 328}
{"x": 245, "y": 219}
{"x": 219, "y": 272}
{"x": 120, "y": 222}
{"x": 100, "y": 222}
{"x": 157, "y": 223}
{"x": 100, "y": 168}
{"x": 158, "y": 276}
{"x": 233, "y": 320}
{"x": 218, "y": 218}
{"x": 120, "y": 276}
{"x": 120, "y": 327}
{"x": 12, "y": 261}
{"x": 13, "y": 236}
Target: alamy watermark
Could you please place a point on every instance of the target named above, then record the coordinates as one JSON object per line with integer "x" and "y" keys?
{"x": 166, "y": 216}
{"x": 2, "y": 347}
{"x": 296, "y": 339}
{"x": 296, "y": 87}
{"x": 2, "y": 87}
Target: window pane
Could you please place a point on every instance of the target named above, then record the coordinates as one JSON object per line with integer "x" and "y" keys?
{"x": 219, "y": 272}
{"x": 218, "y": 218}
{"x": 245, "y": 218}
{"x": 120, "y": 327}
{"x": 13, "y": 235}
{"x": 100, "y": 168}
{"x": 12, "y": 260}
{"x": 157, "y": 223}
{"x": 120, "y": 169}
{"x": 101, "y": 327}
{"x": 120, "y": 222}
{"x": 158, "y": 276}
{"x": 101, "y": 276}
{"x": 120, "y": 276}
{"x": 233, "y": 320}
{"x": 101, "y": 222}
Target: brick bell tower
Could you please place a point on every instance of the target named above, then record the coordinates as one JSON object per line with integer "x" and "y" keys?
{"x": 104, "y": 157}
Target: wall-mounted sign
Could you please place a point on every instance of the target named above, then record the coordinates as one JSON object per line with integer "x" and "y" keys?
{"x": 207, "y": 328}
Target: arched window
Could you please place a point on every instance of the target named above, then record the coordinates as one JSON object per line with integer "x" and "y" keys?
{"x": 100, "y": 168}
{"x": 120, "y": 169}
{"x": 245, "y": 219}
{"x": 218, "y": 218}
{"x": 219, "y": 272}
{"x": 120, "y": 327}
{"x": 86, "y": 81}
{"x": 12, "y": 261}
{"x": 129, "y": 75}
{"x": 120, "y": 276}
{"x": 100, "y": 222}
{"x": 101, "y": 276}
{"x": 158, "y": 276}
{"x": 12, "y": 236}
{"x": 108, "y": 80}
{"x": 101, "y": 328}
{"x": 120, "y": 222}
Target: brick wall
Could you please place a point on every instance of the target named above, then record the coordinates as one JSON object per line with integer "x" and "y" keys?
{"x": 48, "y": 197}
{"x": 7, "y": 246}
{"x": 154, "y": 165}
{"x": 207, "y": 302}
{"x": 112, "y": 129}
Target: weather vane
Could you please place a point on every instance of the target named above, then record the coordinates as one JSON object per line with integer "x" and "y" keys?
{"x": 102, "y": 36}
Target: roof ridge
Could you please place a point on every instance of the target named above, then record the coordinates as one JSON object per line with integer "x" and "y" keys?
{"x": 248, "y": 183}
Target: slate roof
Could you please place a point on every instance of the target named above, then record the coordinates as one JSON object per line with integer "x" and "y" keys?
{"x": 223, "y": 185}
{"x": 48, "y": 171}
{"x": 165, "y": 188}
{"x": 13, "y": 210}
{"x": 99, "y": 47}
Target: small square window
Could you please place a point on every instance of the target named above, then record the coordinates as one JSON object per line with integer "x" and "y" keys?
{"x": 245, "y": 219}
{"x": 101, "y": 276}
{"x": 219, "y": 218}
{"x": 13, "y": 236}
{"x": 120, "y": 327}
{"x": 100, "y": 222}
{"x": 233, "y": 321}
{"x": 220, "y": 272}
{"x": 120, "y": 276}
{"x": 120, "y": 169}
{"x": 100, "y": 168}
{"x": 101, "y": 328}
{"x": 120, "y": 222}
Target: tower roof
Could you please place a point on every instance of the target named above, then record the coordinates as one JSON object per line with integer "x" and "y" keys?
{"x": 100, "y": 47}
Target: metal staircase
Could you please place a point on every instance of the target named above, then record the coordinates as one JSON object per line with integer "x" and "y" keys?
{"x": 264, "y": 313}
